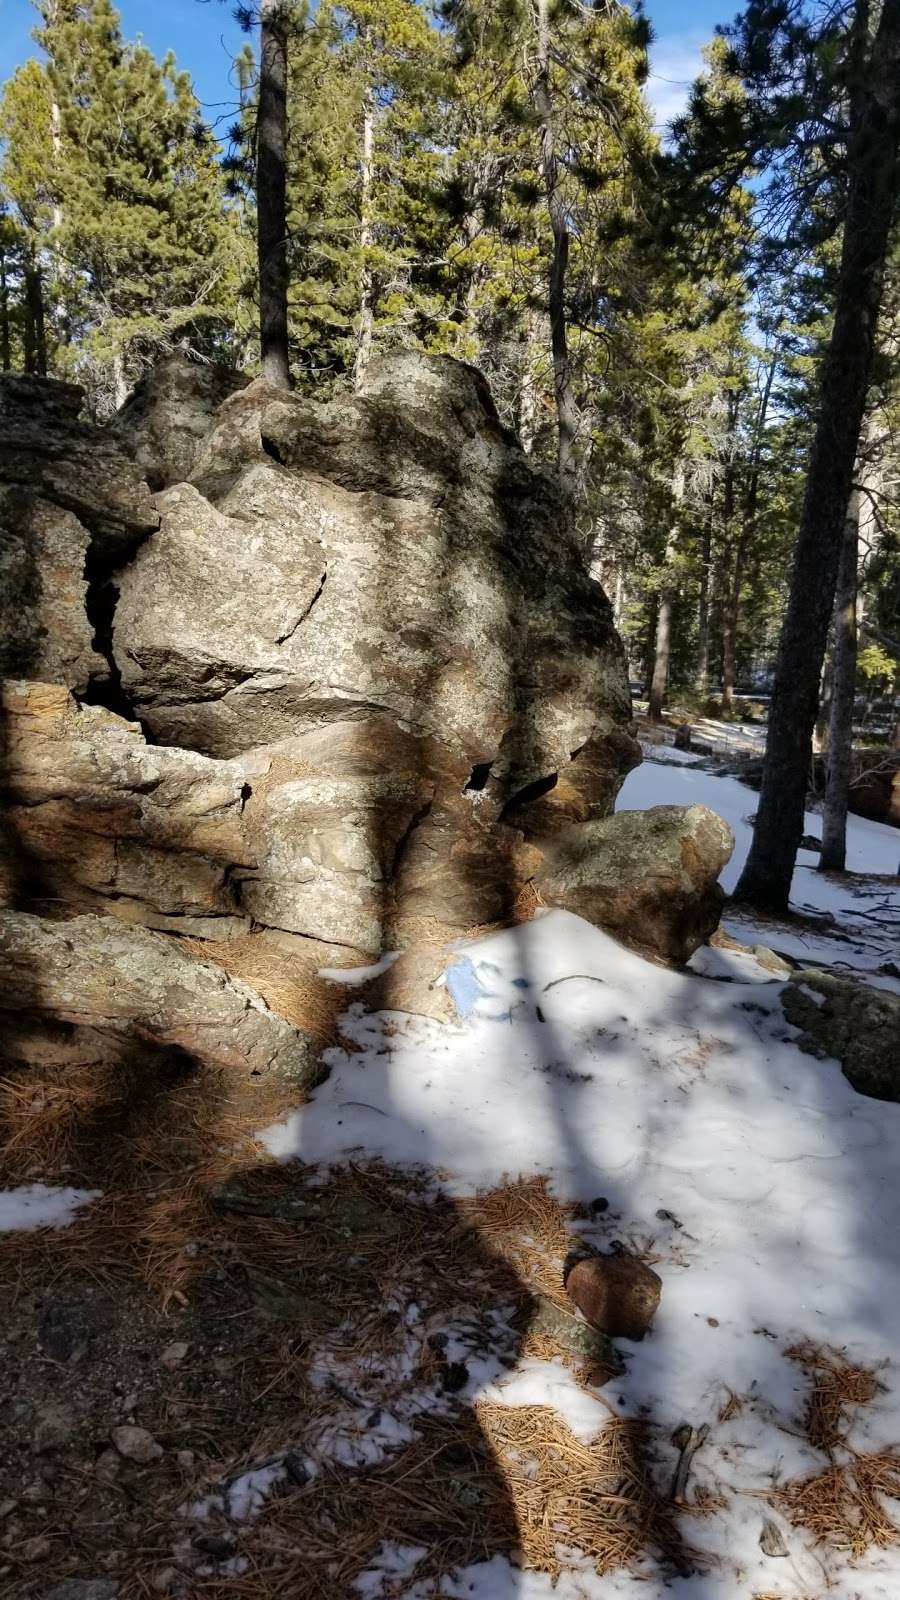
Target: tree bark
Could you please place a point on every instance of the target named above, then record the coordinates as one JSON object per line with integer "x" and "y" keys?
{"x": 872, "y": 187}
{"x": 563, "y": 387}
{"x": 35, "y": 334}
{"x": 366, "y": 326}
{"x": 660, "y": 675}
{"x": 843, "y": 698}
{"x": 5, "y": 342}
{"x": 702, "y": 677}
{"x": 661, "y": 658}
{"x": 271, "y": 194}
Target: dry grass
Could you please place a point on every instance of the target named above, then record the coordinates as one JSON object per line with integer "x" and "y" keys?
{"x": 596, "y": 1497}
{"x": 152, "y": 1137}
{"x": 836, "y": 1387}
{"x": 843, "y": 1505}
{"x": 288, "y": 983}
{"x": 527, "y": 1227}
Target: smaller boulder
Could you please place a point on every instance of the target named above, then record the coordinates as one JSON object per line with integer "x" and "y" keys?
{"x": 651, "y": 877}
{"x": 857, "y": 1025}
{"x": 618, "y": 1294}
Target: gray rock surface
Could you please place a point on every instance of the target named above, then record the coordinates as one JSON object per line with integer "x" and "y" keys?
{"x": 165, "y": 420}
{"x": 127, "y": 982}
{"x": 857, "y": 1025}
{"x": 391, "y": 555}
{"x": 648, "y": 876}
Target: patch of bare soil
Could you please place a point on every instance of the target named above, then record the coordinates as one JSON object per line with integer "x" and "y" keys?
{"x": 215, "y": 1315}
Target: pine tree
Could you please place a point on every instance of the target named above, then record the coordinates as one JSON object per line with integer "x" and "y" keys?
{"x": 140, "y": 229}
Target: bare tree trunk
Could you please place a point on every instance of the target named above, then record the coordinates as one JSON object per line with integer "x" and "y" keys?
{"x": 872, "y": 188}
{"x": 660, "y": 676}
{"x": 843, "y": 698}
{"x": 366, "y": 323}
{"x": 35, "y": 336}
{"x": 563, "y": 387}
{"x": 702, "y": 677}
{"x": 120, "y": 380}
{"x": 271, "y": 194}
{"x": 661, "y": 658}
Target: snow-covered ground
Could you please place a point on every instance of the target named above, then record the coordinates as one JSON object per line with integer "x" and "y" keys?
{"x": 867, "y": 916}
{"x": 659, "y": 1091}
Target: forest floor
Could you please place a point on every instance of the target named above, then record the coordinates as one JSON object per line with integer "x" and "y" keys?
{"x": 324, "y": 1378}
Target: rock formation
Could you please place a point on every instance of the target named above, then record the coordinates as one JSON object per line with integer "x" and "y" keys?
{"x": 649, "y": 876}
{"x": 342, "y": 678}
{"x": 858, "y": 1025}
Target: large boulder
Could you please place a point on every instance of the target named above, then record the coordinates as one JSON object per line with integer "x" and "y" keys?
{"x": 380, "y": 594}
{"x": 393, "y": 554}
{"x": 125, "y": 983}
{"x": 857, "y": 1025}
{"x": 648, "y": 876}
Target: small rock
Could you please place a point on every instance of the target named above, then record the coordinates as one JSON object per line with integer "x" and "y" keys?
{"x": 36, "y": 1549}
{"x": 218, "y": 1545}
{"x": 7, "y": 1507}
{"x": 186, "y": 1459}
{"x": 771, "y": 1541}
{"x": 58, "y": 1334}
{"x": 668, "y": 1216}
{"x": 599, "y": 1205}
{"x": 136, "y": 1444}
{"x": 809, "y": 842}
{"x": 296, "y": 1468}
{"x": 55, "y": 1427}
{"x": 617, "y": 1294}
{"x": 108, "y": 1466}
{"x": 454, "y": 1376}
{"x": 131, "y": 1401}
{"x": 84, "y": 1589}
{"x": 174, "y": 1354}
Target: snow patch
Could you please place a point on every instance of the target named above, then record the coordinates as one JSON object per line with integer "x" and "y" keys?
{"x": 38, "y": 1205}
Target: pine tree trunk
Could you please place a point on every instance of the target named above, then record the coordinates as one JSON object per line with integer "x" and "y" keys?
{"x": 120, "y": 380}
{"x": 660, "y": 675}
{"x": 35, "y": 336}
{"x": 729, "y": 628}
{"x": 872, "y": 187}
{"x": 366, "y": 326}
{"x": 843, "y": 698}
{"x": 701, "y": 680}
{"x": 563, "y": 387}
{"x": 271, "y": 194}
{"x": 5, "y": 350}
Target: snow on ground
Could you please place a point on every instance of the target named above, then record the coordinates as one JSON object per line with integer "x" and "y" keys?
{"x": 660, "y": 1091}
{"x": 35, "y": 1205}
{"x": 861, "y": 940}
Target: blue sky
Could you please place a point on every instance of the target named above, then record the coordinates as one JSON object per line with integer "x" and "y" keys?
{"x": 205, "y": 38}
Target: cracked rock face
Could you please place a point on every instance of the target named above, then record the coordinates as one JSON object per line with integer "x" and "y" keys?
{"x": 347, "y": 682}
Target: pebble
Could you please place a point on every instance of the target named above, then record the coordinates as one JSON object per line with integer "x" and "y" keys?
{"x": 108, "y": 1466}
{"x": 55, "y": 1427}
{"x": 174, "y": 1353}
{"x": 186, "y": 1459}
{"x": 136, "y": 1444}
{"x": 771, "y": 1540}
{"x": 36, "y": 1549}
